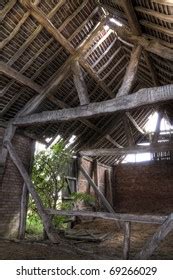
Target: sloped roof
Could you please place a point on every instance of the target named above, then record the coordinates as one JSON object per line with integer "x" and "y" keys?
{"x": 32, "y": 59}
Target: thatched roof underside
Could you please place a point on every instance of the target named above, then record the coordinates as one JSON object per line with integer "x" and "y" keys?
{"x": 33, "y": 52}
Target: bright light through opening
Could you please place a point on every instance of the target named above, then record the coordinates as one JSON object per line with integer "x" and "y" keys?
{"x": 106, "y": 27}
{"x": 115, "y": 21}
{"x": 150, "y": 127}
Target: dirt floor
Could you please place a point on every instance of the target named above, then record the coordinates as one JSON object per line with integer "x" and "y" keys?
{"x": 73, "y": 249}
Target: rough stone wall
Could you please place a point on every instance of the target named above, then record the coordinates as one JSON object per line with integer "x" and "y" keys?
{"x": 11, "y": 188}
{"x": 83, "y": 185}
{"x": 144, "y": 187}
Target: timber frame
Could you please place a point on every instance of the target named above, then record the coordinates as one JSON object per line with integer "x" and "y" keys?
{"x": 100, "y": 79}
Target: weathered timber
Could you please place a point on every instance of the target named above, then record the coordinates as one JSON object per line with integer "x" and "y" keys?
{"x": 126, "y": 243}
{"x": 128, "y": 132}
{"x": 80, "y": 83}
{"x": 156, "y": 27}
{"x": 23, "y": 211}
{"x": 153, "y": 45}
{"x": 108, "y": 184}
{"x": 133, "y": 121}
{"x": 131, "y": 72}
{"x": 163, "y": 2}
{"x": 142, "y": 97}
{"x": 53, "y": 236}
{"x": 136, "y": 30}
{"x": 153, "y": 148}
{"x": 12, "y": 73}
{"x": 97, "y": 191}
{"x": 157, "y": 238}
{"x": 62, "y": 73}
{"x": 157, "y": 130}
{"x": 6, "y": 9}
{"x": 150, "y": 12}
{"x": 146, "y": 219}
{"x": 25, "y": 199}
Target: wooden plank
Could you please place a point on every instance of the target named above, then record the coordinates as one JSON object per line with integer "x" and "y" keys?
{"x": 153, "y": 148}
{"x": 53, "y": 236}
{"x": 146, "y": 219}
{"x": 126, "y": 243}
{"x": 80, "y": 84}
{"x": 157, "y": 238}
{"x": 143, "y": 97}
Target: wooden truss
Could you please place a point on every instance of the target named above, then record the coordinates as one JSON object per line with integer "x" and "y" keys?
{"x": 123, "y": 102}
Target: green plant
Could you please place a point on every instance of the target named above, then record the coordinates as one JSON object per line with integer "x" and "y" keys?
{"x": 48, "y": 176}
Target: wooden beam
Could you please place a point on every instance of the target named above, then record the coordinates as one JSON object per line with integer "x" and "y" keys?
{"x": 97, "y": 191}
{"x": 128, "y": 132}
{"x": 16, "y": 29}
{"x": 13, "y": 74}
{"x": 155, "y": 27}
{"x": 44, "y": 21}
{"x": 89, "y": 124}
{"x": 136, "y": 30}
{"x": 153, "y": 45}
{"x": 65, "y": 68}
{"x": 6, "y": 9}
{"x": 131, "y": 72}
{"x": 143, "y": 97}
{"x": 108, "y": 187}
{"x": 135, "y": 123}
{"x": 157, "y": 130}
{"x": 157, "y": 238}
{"x": 150, "y": 12}
{"x": 163, "y": 2}
{"x": 126, "y": 245}
{"x": 131, "y": 16}
{"x": 146, "y": 219}
{"x": 80, "y": 83}
{"x": 159, "y": 147}
{"x": 53, "y": 236}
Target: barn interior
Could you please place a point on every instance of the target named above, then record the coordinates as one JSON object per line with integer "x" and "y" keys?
{"x": 97, "y": 70}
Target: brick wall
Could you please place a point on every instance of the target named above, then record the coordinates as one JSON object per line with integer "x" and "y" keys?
{"x": 11, "y": 188}
{"x": 144, "y": 187}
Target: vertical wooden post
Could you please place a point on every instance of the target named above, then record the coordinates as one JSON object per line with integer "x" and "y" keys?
{"x": 126, "y": 245}
{"x": 108, "y": 185}
{"x": 23, "y": 212}
{"x": 24, "y": 200}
